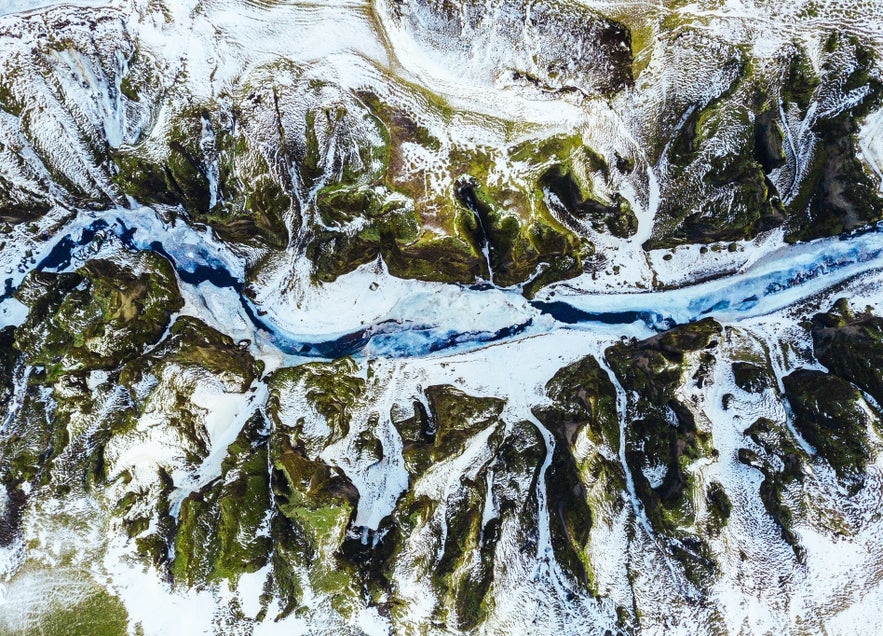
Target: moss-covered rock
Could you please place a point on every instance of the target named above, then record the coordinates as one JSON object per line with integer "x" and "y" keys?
{"x": 663, "y": 438}
{"x": 583, "y": 398}
{"x": 719, "y": 507}
{"x": 452, "y": 541}
{"x": 93, "y": 611}
{"x": 710, "y": 195}
{"x": 210, "y": 169}
{"x": 781, "y": 465}
{"x": 836, "y": 192}
{"x": 515, "y": 249}
{"x": 360, "y": 223}
{"x": 316, "y": 504}
{"x": 453, "y": 418}
{"x": 8, "y": 355}
{"x": 829, "y": 414}
{"x": 105, "y": 313}
{"x": 750, "y": 377}
{"x": 525, "y": 242}
{"x": 333, "y": 389}
{"x": 851, "y": 347}
{"x": 617, "y": 217}
{"x": 581, "y": 484}
{"x": 192, "y": 343}
{"x": 223, "y": 529}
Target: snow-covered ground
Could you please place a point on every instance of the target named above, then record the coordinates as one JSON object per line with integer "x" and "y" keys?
{"x": 484, "y": 340}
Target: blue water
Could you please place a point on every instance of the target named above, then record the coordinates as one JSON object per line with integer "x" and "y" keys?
{"x": 802, "y": 269}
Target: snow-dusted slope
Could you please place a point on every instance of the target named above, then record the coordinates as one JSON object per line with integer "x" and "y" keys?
{"x": 430, "y": 317}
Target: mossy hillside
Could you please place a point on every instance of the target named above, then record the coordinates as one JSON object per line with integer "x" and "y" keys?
{"x": 30, "y": 444}
{"x": 105, "y": 313}
{"x": 71, "y": 167}
{"x": 448, "y": 542}
{"x": 837, "y": 193}
{"x": 191, "y": 343}
{"x": 719, "y": 506}
{"x": 616, "y": 217}
{"x": 829, "y": 414}
{"x": 333, "y": 389}
{"x": 581, "y": 486}
{"x": 360, "y": 223}
{"x": 209, "y": 167}
{"x": 736, "y": 199}
{"x": 164, "y": 379}
{"x": 851, "y": 347}
{"x": 750, "y": 377}
{"x": 452, "y": 419}
{"x": 515, "y": 249}
{"x": 155, "y": 546}
{"x": 8, "y": 356}
{"x": 463, "y": 572}
{"x": 463, "y": 575}
{"x": 221, "y": 529}
{"x": 18, "y": 205}
{"x": 780, "y": 462}
{"x": 520, "y": 231}
{"x": 317, "y": 504}
{"x": 663, "y": 429}
{"x": 98, "y": 318}
{"x": 583, "y": 400}
{"x": 192, "y": 354}
{"x": 93, "y": 611}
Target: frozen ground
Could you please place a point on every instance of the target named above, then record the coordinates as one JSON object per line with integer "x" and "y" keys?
{"x": 406, "y": 335}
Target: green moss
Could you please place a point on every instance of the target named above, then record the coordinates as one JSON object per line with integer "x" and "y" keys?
{"x": 317, "y": 504}
{"x": 828, "y": 414}
{"x": 837, "y": 193}
{"x": 8, "y": 101}
{"x": 583, "y": 402}
{"x": 750, "y": 377}
{"x": 583, "y": 397}
{"x": 220, "y": 532}
{"x": 778, "y": 473}
{"x": 663, "y": 431}
{"x": 250, "y": 205}
{"x": 851, "y": 347}
{"x": 618, "y": 217}
{"x": 712, "y": 196}
{"x": 98, "y": 317}
{"x": 453, "y": 418}
{"x": 192, "y": 343}
{"x": 445, "y": 259}
{"x": 390, "y": 224}
{"x": 98, "y": 614}
{"x": 719, "y": 507}
{"x": 515, "y": 254}
{"x": 333, "y": 388}
{"x": 515, "y": 249}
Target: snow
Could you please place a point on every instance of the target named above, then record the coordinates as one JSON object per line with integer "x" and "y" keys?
{"x": 759, "y": 289}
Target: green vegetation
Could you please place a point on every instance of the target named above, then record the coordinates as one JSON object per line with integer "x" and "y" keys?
{"x": 98, "y": 613}
{"x": 837, "y": 193}
{"x": 333, "y": 389}
{"x": 105, "y": 313}
{"x": 828, "y": 414}
{"x": 781, "y": 465}
{"x": 737, "y": 199}
{"x": 750, "y": 377}
{"x": 851, "y": 347}
{"x": 221, "y": 529}
{"x": 248, "y": 204}
{"x": 663, "y": 431}
{"x": 583, "y": 403}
